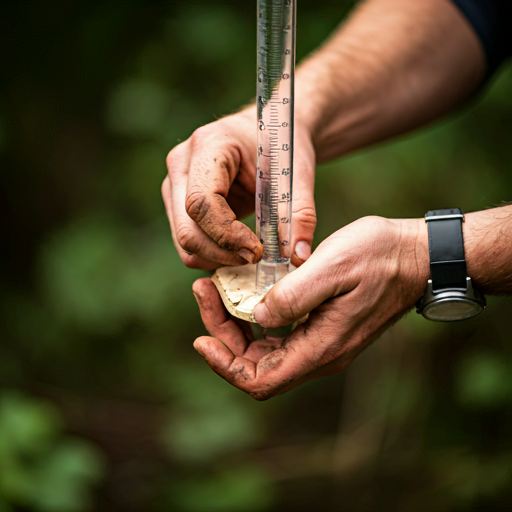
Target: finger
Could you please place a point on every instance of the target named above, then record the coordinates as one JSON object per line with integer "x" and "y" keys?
{"x": 219, "y": 323}
{"x": 301, "y": 291}
{"x": 187, "y": 234}
{"x": 261, "y": 348}
{"x": 214, "y": 164}
{"x": 335, "y": 333}
{"x": 304, "y": 212}
{"x": 220, "y": 358}
{"x": 285, "y": 367}
{"x": 190, "y": 260}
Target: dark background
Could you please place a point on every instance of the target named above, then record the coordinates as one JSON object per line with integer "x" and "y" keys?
{"x": 104, "y": 405}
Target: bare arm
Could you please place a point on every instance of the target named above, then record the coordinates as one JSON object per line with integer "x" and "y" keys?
{"x": 489, "y": 249}
{"x": 393, "y": 66}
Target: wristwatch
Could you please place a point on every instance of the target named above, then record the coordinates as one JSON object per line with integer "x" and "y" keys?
{"x": 450, "y": 294}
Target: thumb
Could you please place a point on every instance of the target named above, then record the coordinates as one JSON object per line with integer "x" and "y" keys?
{"x": 297, "y": 294}
{"x": 304, "y": 212}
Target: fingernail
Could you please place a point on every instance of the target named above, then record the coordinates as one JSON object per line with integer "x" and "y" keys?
{"x": 303, "y": 250}
{"x": 246, "y": 255}
{"x": 261, "y": 314}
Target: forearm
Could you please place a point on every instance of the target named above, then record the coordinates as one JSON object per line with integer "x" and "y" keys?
{"x": 488, "y": 247}
{"x": 394, "y": 66}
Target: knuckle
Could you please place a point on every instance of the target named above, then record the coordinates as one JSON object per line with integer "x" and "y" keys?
{"x": 196, "y": 205}
{"x": 175, "y": 157}
{"x": 229, "y": 160}
{"x": 306, "y": 216}
{"x": 170, "y": 160}
{"x": 186, "y": 239}
{"x": 164, "y": 188}
{"x": 201, "y": 135}
{"x": 216, "y": 136}
{"x": 191, "y": 261}
{"x": 283, "y": 303}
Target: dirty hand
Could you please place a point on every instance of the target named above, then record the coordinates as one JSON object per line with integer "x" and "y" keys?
{"x": 211, "y": 183}
{"x": 358, "y": 282}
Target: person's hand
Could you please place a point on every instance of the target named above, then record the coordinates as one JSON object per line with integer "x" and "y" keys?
{"x": 211, "y": 184}
{"x": 357, "y": 283}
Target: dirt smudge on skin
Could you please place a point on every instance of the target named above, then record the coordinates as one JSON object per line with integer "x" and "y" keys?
{"x": 206, "y": 301}
{"x": 230, "y": 167}
{"x": 197, "y": 207}
{"x": 215, "y": 217}
{"x": 212, "y": 311}
{"x": 272, "y": 360}
{"x": 241, "y": 373}
{"x": 221, "y": 225}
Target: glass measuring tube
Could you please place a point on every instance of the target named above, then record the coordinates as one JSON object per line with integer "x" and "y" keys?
{"x": 274, "y": 175}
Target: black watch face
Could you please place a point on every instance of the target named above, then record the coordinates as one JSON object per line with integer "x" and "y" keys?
{"x": 450, "y": 309}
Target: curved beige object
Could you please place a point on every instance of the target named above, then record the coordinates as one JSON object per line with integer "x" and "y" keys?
{"x": 237, "y": 289}
{"x": 236, "y": 286}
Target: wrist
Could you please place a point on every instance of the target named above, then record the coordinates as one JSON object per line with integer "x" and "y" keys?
{"x": 414, "y": 256}
{"x": 476, "y": 246}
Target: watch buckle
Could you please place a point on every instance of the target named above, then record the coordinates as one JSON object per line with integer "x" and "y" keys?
{"x": 444, "y": 217}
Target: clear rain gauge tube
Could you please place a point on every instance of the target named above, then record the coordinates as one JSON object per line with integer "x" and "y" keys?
{"x": 274, "y": 176}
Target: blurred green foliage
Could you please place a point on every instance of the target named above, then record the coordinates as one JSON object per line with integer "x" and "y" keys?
{"x": 39, "y": 467}
{"x": 245, "y": 488}
{"x": 104, "y": 405}
{"x": 483, "y": 380}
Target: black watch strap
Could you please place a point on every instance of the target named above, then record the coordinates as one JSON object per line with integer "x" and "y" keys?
{"x": 446, "y": 247}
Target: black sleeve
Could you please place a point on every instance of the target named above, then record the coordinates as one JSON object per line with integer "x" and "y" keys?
{"x": 492, "y": 21}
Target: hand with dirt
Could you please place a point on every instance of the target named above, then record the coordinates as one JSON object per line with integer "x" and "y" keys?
{"x": 211, "y": 184}
{"x": 357, "y": 283}
{"x": 393, "y": 66}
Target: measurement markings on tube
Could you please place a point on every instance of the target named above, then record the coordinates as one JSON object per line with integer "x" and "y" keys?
{"x": 275, "y": 70}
